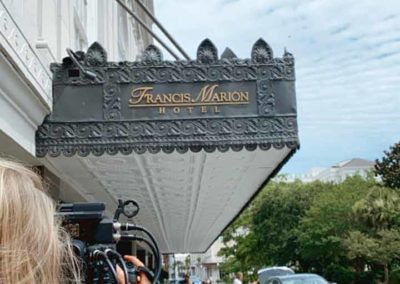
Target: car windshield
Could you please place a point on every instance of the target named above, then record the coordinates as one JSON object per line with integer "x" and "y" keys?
{"x": 308, "y": 280}
{"x": 277, "y": 272}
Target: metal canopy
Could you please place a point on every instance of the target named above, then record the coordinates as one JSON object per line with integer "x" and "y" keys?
{"x": 192, "y": 141}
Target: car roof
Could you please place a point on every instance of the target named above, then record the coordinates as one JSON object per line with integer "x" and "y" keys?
{"x": 298, "y": 276}
{"x": 274, "y": 268}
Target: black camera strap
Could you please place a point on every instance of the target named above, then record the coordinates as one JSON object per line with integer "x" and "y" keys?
{"x": 149, "y": 274}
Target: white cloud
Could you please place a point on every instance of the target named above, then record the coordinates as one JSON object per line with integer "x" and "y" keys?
{"x": 347, "y": 64}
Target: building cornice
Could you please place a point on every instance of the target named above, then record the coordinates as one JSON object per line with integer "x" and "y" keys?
{"x": 15, "y": 46}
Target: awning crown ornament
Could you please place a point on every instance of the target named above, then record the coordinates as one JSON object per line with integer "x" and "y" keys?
{"x": 152, "y": 54}
{"x": 96, "y": 55}
{"x": 261, "y": 52}
{"x": 209, "y": 103}
{"x": 207, "y": 52}
{"x": 228, "y": 54}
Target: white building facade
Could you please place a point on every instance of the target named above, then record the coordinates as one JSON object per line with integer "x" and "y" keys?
{"x": 338, "y": 172}
{"x": 35, "y": 33}
{"x": 206, "y": 265}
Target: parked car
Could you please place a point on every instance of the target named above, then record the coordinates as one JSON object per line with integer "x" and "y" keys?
{"x": 268, "y": 272}
{"x": 195, "y": 280}
{"x": 301, "y": 278}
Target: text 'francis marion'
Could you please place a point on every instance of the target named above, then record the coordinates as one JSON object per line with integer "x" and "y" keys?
{"x": 207, "y": 96}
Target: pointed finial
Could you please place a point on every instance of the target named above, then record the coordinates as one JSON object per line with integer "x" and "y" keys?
{"x": 96, "y": 55}
{"x": 228, "y": 54}
{"x": 261, "y": 52}
{"x": 287, "y": 56}
{"x": 207, "y": 52}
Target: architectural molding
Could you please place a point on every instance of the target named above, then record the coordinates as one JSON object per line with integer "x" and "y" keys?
{"x": 124, "y": 137}
{"x": 21, "y": 111}
{"x": 21, "y": 55}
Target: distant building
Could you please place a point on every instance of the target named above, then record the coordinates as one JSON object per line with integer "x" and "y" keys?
{"x": 338, "y": 172}
{"x": 206, "y": 265}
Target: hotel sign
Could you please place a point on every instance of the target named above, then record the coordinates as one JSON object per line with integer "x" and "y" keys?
{"x": 209, "y": 95}
{"x": 208, "y": 103}
{"x": 194, "y": 100}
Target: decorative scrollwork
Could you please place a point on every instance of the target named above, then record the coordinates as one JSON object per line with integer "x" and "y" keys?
{"x": 261, "y": 52}
{"x": 182, "y": 135}
{"x": 207, "y": 53}
{"x": 111, "y": 102}
{"x": 265, "y": 97}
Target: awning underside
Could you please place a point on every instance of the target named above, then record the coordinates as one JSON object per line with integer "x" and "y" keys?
{"x": 187, "y": 199}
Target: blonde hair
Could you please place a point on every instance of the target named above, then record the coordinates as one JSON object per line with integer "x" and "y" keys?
{"x": 33, "y": 246}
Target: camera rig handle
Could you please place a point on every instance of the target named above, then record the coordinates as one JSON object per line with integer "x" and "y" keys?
{"x": 123, "y": 208}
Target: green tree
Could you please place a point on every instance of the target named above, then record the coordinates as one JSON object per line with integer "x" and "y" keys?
{"x": 379, "y": 210}
{"x": 382, "y": 249}
{"x": 389, "y": 167}
{"x": 378, "y": 241}
{"x": 336, "y": 230}
{"x": 275, "y": 222}
{"x": 324, "y": 226}
{"x": 236, "y": 252}
{"x": 265, "y": 233}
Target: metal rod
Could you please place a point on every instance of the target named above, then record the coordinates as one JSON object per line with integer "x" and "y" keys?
{"x": 129, "y": 11}
{"x": 161, "y": 27}
{"x": 72, "y": 55}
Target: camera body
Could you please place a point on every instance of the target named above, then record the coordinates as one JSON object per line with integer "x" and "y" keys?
{"x": 86, "y": 222}
{"x": 90, "y": 231}
{"x": 94, "y": 239}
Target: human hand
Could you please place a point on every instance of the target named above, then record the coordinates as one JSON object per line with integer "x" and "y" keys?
{"x": 142, "y": 278}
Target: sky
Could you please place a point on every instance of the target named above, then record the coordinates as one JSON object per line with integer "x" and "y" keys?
{"x": 347, "y": 65}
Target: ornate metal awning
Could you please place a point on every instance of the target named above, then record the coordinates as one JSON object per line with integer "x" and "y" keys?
{"x": 154, "y": 105}
{"x": 198, "y": 112}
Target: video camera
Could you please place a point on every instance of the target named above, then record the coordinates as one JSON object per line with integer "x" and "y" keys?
{"x": 95, "y": 238}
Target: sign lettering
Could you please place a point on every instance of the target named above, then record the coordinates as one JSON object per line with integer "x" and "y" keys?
{"x": 208, "y": 99}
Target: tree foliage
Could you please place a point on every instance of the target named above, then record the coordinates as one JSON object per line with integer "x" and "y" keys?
{"x": 337, "y": 230}
{"x": 276, "y": 220}
{"x": 328, "y": 219}
{"x": 388, "y": 168}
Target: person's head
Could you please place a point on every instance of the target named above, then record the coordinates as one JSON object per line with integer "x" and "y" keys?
{"x": 239, "y": 275}
{"x": 33, "y": 247}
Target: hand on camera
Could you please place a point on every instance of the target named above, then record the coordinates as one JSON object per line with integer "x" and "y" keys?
{"x": 142, "y": 278}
